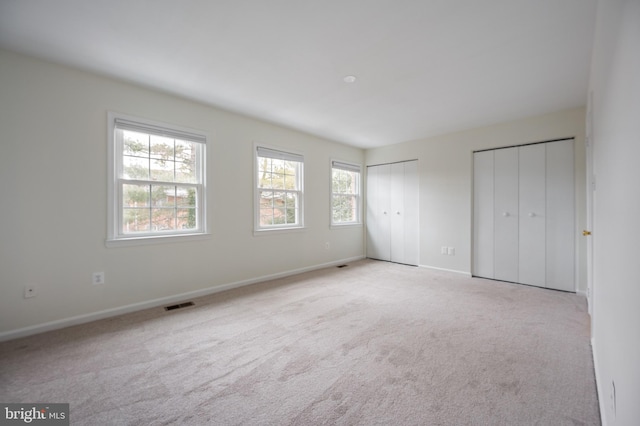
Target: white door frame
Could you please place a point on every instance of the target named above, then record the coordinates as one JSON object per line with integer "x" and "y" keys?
{"x": 590, "y": 198}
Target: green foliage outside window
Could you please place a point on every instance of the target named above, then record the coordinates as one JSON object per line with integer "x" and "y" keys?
{"x": 279, "y": 183}
{"x": 167, "y": 205}
{"x": 344, "y": 202}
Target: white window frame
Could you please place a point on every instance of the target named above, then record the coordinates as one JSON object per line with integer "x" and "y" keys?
{"x": 116, "y": 236}
{"x": 353, "y": 167}
{"x": 261, "y": 151}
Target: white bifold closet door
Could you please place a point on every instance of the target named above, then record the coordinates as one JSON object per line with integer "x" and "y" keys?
{"x": 505, "y": 174}
{"x": 483, "y": 211}
{"x": 378, "y": 207}
{"x": 560, "y": 220}
{"x": 524, "y": 215}
{"x": 532, "y": 212}
{"x": 392, "y": 212}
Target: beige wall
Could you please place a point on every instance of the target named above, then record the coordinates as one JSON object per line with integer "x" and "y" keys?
{"x": 53, "y": 183}
{"x": 445, "y": 169}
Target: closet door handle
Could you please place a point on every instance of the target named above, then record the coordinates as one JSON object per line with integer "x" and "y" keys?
{"x": 384, "y": 212}
{"x": 398, "y": 213}
{"x": 532, "y": 214}
{"x": 505, "y": 214}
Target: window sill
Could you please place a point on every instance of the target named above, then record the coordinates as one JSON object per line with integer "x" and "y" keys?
{"x": 263, "y": 232}
{"x": 345, "y": 225}
{"x": 155, "y": 239}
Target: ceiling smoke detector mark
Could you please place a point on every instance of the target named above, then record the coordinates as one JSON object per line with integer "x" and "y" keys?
{"x": 97, "y": 278}
{"x": 30, "y": 291}
{"x": 178, "y": 306}
{"x": 350, "y": 79}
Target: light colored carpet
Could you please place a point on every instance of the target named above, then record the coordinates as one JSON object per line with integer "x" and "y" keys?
{"x": 374, "y": 343}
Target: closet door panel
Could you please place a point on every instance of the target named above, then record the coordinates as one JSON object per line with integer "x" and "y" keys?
{"x": 397, "y": 213}
{"x": 411, "y": 214}
{"x": 532, "y": 208}
{"x": 483, "y": 214}
{"x": 560, "y": 216}
{"x": 378, "y": 229}
{"x": 506, "y": 214}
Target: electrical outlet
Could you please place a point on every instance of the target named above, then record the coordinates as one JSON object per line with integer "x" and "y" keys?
{"x": 98, "y": 278}
{"x": 443, "y": 250}
{"x": 30, "y": 291}
{"x": 327, "y": 245}
{"x": 451, "y": 251}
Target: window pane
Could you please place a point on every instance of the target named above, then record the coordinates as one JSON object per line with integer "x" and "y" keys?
{"x": 292, "y": 208}
{"x": 263, "y": 166}
{"x": 135, "y": 220}
{"x": 162, "y": 148}
{"x": 336, "y": 215}
{"x": 266, "y": 199}
{"x": 291, "y": 167}
{"x": 136, "y": 200}
{"x": 134, "y": 143}
{"x": 291, "y": 200}
{"x": 277, "y": 180}
{"x": 163, "y": 196}
{"x": 291, "y": 215}
{"x": 279, "y": 199}
{"x": 136, "y": 195}
{"x": 290, "y": 182}
{"x": 344, "y": 208}
{"x": 344, "y": 181}
{"x": 279, "y": 216}
{"x": 162, "y": 170}
{"x": 186, "y": 155}
{"x": 277, "y": 174}
{"x": 277, "y": 165}
{"x": 266, "y": 217}
{"x": 135, "y": 168}
{"x": 264, "y": 180}
{"x": 163, "y": 219}
{"x": 186, "y": 218}
{"x": 185, "y": 197}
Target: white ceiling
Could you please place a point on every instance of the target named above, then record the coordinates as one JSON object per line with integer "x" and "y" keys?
{"x": 423, "y": 67}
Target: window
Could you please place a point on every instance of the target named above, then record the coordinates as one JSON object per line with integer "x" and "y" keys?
{"x": 157, "y": 180}
{"x": 345, "y": 193}
{"x": 279, "y": 192}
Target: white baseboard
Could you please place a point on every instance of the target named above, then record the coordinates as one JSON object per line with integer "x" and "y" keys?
{"x": 81, "y": 319}
{"x": 455, "y": 271}
{"x": 600, "y": 390}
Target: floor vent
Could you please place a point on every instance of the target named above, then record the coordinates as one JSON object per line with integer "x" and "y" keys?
{"x": 342, "y": 266}
{"x": 178, "y": 306}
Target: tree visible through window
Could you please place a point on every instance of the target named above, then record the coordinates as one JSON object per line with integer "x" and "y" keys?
{"x": 159, "y": 180}
{"x": 345, "y": 193}
{"x": 279, "y": 189}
